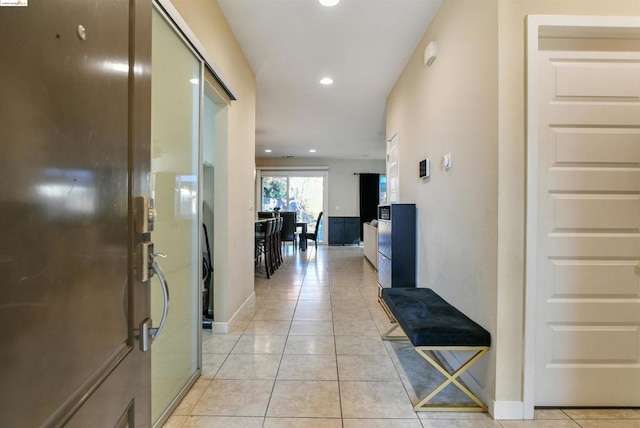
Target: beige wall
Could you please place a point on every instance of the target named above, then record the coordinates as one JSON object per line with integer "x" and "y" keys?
{"x": 343, "y": 189}
{"x": 471, "y": 102}
{"x": 452, "y": 107}
{"x": 234, "y": 178}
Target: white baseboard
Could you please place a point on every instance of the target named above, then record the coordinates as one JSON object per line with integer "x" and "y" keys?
{"x": 220, "y": 327}
{"x": 507, "y": 410}
{"x": 223, "y": 327}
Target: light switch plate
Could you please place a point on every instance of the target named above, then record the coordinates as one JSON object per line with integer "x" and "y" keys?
{"x": 445, "y": 163}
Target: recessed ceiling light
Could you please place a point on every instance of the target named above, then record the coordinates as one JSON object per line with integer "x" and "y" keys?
{"x": 329, "y": 3}
{"x": 267, "y": 150}
{"x": 326, "y": 81}
{"x": 312, "y": 150}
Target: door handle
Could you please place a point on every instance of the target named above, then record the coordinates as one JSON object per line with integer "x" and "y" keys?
{"x": 147, "y": 256}
{"x": 148, "y": 334}
{"x": 154, "y": 332}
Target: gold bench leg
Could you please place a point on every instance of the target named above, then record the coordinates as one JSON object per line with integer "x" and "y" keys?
{"x": 387, "y": 335}
{"x": 451, "y": 378}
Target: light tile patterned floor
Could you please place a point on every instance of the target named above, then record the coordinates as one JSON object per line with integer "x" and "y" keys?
{"x": 309, "y": 354}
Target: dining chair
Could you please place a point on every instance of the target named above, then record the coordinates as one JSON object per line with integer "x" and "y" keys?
{"x": 264, "y": 246}
{"x": 277, "y": 242}
{"x": 314, "y": 235}
{"x": 288, "y": 233}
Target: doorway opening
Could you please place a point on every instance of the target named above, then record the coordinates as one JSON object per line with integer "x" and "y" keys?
{"x": 215, "y": 114}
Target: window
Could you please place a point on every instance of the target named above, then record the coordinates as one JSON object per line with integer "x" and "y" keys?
{"x": 383, "y": 189}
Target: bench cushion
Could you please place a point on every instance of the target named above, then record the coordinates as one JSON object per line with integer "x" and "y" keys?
{"x": 428, "y": 320}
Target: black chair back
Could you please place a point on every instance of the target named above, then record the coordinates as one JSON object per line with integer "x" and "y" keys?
{"x": 265, "y": 214}
{"x": 269, "y": 229}
{"x": 314, "y": 235}
{"x": 318, "y": 223}
{"x": 288, "y": 225}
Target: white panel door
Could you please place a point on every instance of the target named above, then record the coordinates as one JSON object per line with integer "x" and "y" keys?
{"x": 588, "y": 293}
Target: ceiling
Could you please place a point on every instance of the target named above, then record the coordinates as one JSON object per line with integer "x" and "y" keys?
{"x": 363, "y": 45}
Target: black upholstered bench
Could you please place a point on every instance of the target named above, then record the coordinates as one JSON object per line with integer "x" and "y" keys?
{"x": 432, "y": 324}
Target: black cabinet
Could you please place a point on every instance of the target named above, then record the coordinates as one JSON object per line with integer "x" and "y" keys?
{"x": 336, "y": 230}
{"x": 351, "y": 230}
{"x": 344, "y": 230}
{"x": 397, "y": 245}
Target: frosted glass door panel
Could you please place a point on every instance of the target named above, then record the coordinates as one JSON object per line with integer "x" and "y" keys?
{"x": 175, "y": 141}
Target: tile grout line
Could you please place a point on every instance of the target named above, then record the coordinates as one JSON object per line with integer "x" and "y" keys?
{"x": 273, "y": 387}
{"x": 335, "y": 349}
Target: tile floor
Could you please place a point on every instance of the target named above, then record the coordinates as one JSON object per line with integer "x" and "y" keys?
{"x": 309, "y": 354}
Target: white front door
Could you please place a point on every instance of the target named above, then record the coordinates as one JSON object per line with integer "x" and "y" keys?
{"x": 588, "y": 230}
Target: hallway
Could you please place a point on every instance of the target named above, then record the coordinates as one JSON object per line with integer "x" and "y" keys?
{"x": 309, "y": 354}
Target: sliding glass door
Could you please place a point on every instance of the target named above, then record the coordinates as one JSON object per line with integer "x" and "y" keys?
{"x": 302, "y": 193}
{"x": 175, "y": 163}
